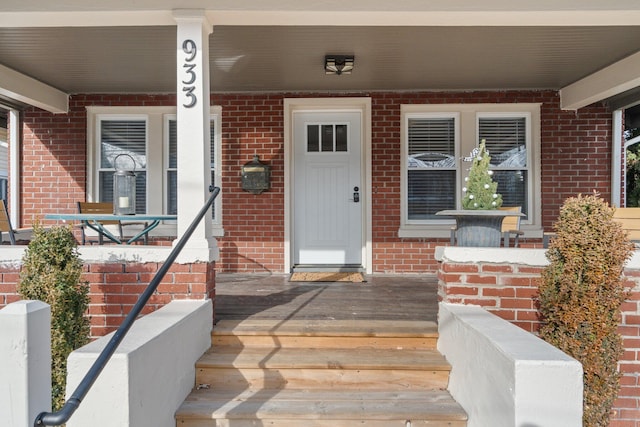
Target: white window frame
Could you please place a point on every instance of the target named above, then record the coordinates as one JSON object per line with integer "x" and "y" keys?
{"x": 119, "y": 117}
{"x": 467, "y": 125}
{"x": 157, "y": 144}
{"x": 215, "y": 117}
{"x": 405, "y": 153}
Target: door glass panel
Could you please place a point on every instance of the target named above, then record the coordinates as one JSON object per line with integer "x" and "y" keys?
{"x": 341, "y": 138}
{"x": 313, "y": 138}
{"x": 327, "y": 138}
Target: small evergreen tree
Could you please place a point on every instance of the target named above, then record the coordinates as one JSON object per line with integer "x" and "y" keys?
{"x": 580, "y": 294}
{"x": 480, "y": 192}
{"x": 51, "y": 273}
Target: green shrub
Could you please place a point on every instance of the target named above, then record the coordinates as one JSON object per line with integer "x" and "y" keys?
{"x": 580, "y": 296}
{"x": 51, "y": 273}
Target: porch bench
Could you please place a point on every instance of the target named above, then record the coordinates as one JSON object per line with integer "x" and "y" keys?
{"x": 629, "y": 218}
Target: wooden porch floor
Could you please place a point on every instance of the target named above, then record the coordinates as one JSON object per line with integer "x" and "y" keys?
{"x": 381, "y": 297}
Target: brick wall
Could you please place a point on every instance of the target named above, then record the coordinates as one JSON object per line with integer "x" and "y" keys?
{"x": 576, "y": 156}
{"x": 506, "y": 290}
{"x": 253, "y": 224}
{"x": 54, "y": 154}
{"x": 9, "y": 275}
{"x": 114, "y": 288}
{"x": 509, "y": 290}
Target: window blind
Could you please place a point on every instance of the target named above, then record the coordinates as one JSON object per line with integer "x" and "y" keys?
{"x": 123, "y": 137}
{"x": 506, "y": 140}
{"x": 172, "y": 174}
{"x": 431, "y": 175}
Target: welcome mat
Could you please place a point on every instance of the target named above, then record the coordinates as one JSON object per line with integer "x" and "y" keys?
{"x": 327, "y": 277}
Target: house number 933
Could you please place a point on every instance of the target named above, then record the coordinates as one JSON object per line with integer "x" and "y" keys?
{"x": 190, "y": 51}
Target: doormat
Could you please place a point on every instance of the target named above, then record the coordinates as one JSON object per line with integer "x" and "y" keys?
{"x": 327, "y": 277}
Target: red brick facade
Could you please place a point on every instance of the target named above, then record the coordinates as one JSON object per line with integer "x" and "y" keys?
{"x": 510, "y": 290}
{"x": 576, "y": 158}
{"x": 114, "y": 288}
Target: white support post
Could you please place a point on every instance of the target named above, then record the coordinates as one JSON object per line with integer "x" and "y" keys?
{"x": 25, "y": 362}
{"x": 618, "y": 161}
{"x": 193, "y": 131}
{"x": 14, "y": 167}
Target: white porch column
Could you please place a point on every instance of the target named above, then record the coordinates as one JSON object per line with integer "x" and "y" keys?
{"x": 618, "y": 162}
{"x": 193, "y": 131}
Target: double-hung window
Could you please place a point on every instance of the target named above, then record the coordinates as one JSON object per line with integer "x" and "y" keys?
{"x": 171, "y": 163}
{"x": 430, "y": 165}
{"x": 123, "y": 145}
{"x": 4, "y": 157}
{"x": 506, "y": 141}
{"x": 144, "y": 139}
{"x": 436, "y": 139}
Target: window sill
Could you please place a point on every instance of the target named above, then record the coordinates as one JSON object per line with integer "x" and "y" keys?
{"x": 443, "y": 231}
{"x": 439, "y": 231}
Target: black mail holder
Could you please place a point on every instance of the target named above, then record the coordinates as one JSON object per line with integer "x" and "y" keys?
{"x": 256, "y": 176}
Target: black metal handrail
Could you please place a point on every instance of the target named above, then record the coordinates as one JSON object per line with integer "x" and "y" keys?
{"x": 70, "y": 406}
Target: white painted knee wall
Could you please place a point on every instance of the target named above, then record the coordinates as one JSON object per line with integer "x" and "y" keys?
{"x": 151, "y": 372}
{"x": 25, "y": 362}
{"x": 504, "y": 376}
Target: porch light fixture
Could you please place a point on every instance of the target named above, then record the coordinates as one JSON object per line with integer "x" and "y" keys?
{"x": 338, "y": 64}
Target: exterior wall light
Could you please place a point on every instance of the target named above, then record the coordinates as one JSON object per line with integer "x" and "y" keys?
{"x": 338, "y": 64}
{"x": 256, "y": 176}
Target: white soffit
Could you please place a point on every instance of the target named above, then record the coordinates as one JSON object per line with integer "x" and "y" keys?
{"x": 33, "y": 92}
{"x": 335, "y": 17}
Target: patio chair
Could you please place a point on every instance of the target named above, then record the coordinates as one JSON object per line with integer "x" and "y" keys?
{"x": 104, "y": 208}
{"x": 5, "y": 223}
{"x": 511, "y": 226}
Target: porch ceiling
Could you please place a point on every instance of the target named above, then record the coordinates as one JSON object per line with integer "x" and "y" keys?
{"x": 279, "y": 45}
{"x": 271, "y": 58}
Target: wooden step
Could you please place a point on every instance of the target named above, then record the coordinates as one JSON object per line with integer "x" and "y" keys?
{"x": 321, "y": 374}
{"x": 326, "y": 333}
{"x": 304, "y": 368}
{"x": 321, "y": 408}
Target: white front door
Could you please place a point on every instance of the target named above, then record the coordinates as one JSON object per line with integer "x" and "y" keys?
{"x": 328, "y": 202}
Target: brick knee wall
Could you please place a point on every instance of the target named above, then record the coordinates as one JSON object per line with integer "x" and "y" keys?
{"x": 114, "y": 288}
{"x": 9, "y": 276}
{"x": 510, "y": 290}
{"x": 505, "y": 290}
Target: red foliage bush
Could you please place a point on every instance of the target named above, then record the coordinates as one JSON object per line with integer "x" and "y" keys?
{"x": 580, "y": 296}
